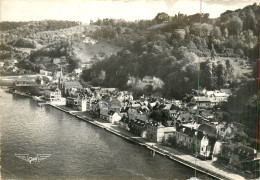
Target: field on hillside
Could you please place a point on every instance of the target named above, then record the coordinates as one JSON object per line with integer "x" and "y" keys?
{"x": 87, "y": 52}
{"x": 241, "y": 67}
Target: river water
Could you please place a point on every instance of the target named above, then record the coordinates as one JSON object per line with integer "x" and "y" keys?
{"x": 78, "y": 150}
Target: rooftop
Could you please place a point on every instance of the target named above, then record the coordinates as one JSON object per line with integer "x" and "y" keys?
{"x": 72, "y": 84}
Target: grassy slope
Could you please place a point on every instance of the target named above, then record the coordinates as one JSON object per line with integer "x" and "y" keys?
{"x": 86, "y": 52}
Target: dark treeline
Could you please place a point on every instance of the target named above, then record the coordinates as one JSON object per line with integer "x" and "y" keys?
{"x": 48, "y": 25}
{"x": 7, "y": 25}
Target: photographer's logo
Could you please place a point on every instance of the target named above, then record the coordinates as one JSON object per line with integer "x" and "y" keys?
{"x": 30, "y": 159}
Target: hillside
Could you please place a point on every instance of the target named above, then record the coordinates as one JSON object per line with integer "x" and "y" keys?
{"x": 170, "y": 48}
{"x": 48, "y": 44}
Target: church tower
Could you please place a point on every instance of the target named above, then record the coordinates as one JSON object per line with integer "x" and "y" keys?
{"x": 61, "y": 80}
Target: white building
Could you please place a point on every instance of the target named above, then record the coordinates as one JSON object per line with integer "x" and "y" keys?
{"x": 82, "y": 104}
{"x": 45, "y": 72}
{"x": 114, "y": 118}
{"x": 54, "y": 97}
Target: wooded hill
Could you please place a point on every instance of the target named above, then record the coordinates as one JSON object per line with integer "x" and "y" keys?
{"x": 171, "y": 47}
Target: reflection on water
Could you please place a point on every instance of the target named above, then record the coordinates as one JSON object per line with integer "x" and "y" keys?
{"x": 78, "y": 149}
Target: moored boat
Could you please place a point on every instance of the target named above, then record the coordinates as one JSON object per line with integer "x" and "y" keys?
{"x": 37, "y": 98}
{"x": 193, "y": 178}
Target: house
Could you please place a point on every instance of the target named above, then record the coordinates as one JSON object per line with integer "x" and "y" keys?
{"x": 45, "y": 72}
{"x": 27, "y": 85}
{"x": 203, "y": 143}
{"x": 94, "y": 106}
{"x": 152, "y": 81}
{"x": 217, "y": 95}
{"x": 54, "y": 97}
{"x": 177, "y": 104}
{"x": 185, "y": 137}
{"x": 224, "y": 130}
{"x": 210, "y": 130}
{"x": 228, "y": 131}
{"x": 124, "y": 96}
{"x": 192, "y": 108}
{"x": 91, "y": 104}
{"x": 87, "y": 65}
{"x": 184, "y": 117}
{"x": 220, "y": 96}
{"x": 157, "y": 133}
{"x": 25, "y": 82}
{"x": 107, "y": 91}
{"x": 68, "y": 87}
{"x": 205, "y": 102}
{"x": 43, "y": 88}
{"x": 227, "y": 91}
{"x": 114, "y": 104}
{"x": 209, "y": 93}
{"x": 71, "y": 102}
{"x": 81, "y": 103}
{"x": 208, "y": 114}
{"x": 138, "y": 127}
{"x": 123, "y": 123}
{"x": 134, "y": 114}
{"x": 88, "y": 105}
{"x": 78, "y": 71}
{"x": 147, "y": 80}
{"x": 193, "y": 140}
{"x": 56, "y": 61}
{"x": 2, "y": 64}
{"x": 135, "y": 105}
{"x": 104, "y": 114}
{"x": 192, "y": 125}
{"x": 114, "y": 117}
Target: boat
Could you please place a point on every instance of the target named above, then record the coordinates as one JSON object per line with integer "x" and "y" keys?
{"x": 37, "y": 98}
{"x": 193, "y": 178}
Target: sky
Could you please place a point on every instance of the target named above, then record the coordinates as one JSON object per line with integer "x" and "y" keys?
{"x": 86, "y": 10}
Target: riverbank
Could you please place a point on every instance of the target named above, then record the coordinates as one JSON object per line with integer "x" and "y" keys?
{"x": 205, "y": 167}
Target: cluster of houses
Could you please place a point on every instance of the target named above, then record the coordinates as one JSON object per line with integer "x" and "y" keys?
{"x": 195, "y": 127}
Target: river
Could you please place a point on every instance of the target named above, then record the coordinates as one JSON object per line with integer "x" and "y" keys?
{"x": 77, "y": 149}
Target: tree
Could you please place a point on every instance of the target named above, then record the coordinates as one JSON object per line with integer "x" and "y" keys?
{"x": 229, "y": 67}
{"x": 213, "y": 52}
{"x": 216, "y": 33}
{"x": 249, "y": 21}
{"x": 161, "y": 17}
{"x": 221, "y": 75}
{"x": 205, "y": 30}
{"x": 235, "y": 26}
{"x": 207, "y": 79}
{"x": 160, "y": 116}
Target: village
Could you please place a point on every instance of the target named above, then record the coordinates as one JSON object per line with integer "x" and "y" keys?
{"x": 196, "y": 128}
